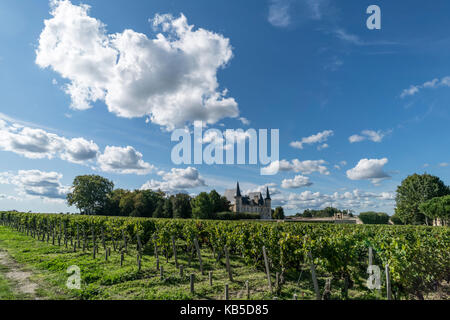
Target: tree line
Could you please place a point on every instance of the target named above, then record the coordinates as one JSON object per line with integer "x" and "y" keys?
{"x": 95, "y": 195}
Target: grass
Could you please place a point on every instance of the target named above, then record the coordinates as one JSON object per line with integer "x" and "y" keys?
{"x": 105, "y": 280}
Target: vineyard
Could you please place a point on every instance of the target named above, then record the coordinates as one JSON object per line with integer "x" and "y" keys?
{"x": 195, "y": 259}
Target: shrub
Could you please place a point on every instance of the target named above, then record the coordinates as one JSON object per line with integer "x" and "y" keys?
{"x": 237, "y": 216}
{"x": 371, "y": 217}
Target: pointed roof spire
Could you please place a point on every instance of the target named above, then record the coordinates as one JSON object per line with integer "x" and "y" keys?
{"x": 267, "y": 194}
{"x": 238, "y": 190}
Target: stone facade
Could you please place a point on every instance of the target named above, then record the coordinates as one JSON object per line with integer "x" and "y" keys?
{"x": 252, "y": 203}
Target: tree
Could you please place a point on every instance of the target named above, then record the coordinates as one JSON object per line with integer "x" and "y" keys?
{"x": 159, "y": 211}
{"x": 219, "y": 203}
{"x": 182, "y": 206}
{"x": 278, "y": 213}
{"x": 126, "y": 204}
{"x": 113, "y": 204}
{"x": 90, "y": 194}
{"x": 168, "y": 207}
{"x": 202, "y": 207}
{"x": 146, "y": 201}
{"x": 415, "y": 190}
{"x": 372, "y": 217}
{"x": 396, "y": 220}
{"x": 437, "y": 208}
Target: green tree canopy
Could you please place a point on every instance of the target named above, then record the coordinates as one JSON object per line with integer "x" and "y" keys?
{"x": 90, "y": 194}
{"x": 219, "y": 203}
{"x": 168, "y": 207}
{"x": 278, "y": 213}
{"x": 202, "y": 207}
{"x": 437, "y": 208}
{"x": 415, "y": 190}
{"x": 182, "y": 206}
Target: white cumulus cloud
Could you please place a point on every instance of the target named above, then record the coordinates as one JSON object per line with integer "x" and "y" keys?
{"x": 369, "y": 169}
{"x": 375, "y": 136}
{"x": 171, "y": 78}
{"x": 36, "y": 183}
{"x": 124, "y": 161}
{"x": 176, "y": 180}
{"x": 298, "y": 182}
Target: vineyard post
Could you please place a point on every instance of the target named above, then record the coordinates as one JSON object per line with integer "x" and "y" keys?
{"x": 314, "y": 277}
{"x": 174, "y": 248}
{"x": 227, "y": 256}
{"x": 199, "y": 255}
{"x": 139, "y": 263}
{"x": 327, "y": 292}
{"x": 266, "y": 262}
{"x": 139, "y": 244}
{"x": 155, "y": 247}
{"x": 227, "y": 294}
{"x": 192, "y": 282}
{"x": 247, "y": 289}
{"x": 84, "y": 239}
{"x": 78, "y": 235}
{"x": 210, "y": 278}
{"x": 157, "y": 263}
{"x": 277, "y": 281}
{"x": 370, "y": 256}
{"x": 121, "y": 258}
{"x": 124, "y": 241}
{"x": 181, "y": 272}
{"x": 388, "y": 283}
{"x": 103, "y": 239}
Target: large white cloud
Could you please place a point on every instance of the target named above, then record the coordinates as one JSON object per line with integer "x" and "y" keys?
{"x": 36, "y": 183}
{"x": 177, "y": 180}
{"x": 172, "y": 78}
{"x": 369, "y": 169}
{"x": 123, "y": 160}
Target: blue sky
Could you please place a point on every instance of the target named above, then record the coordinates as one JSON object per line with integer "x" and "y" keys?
{"x": 93, "y": 91}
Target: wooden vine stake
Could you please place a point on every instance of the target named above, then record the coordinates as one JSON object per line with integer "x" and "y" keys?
{"x": 156, "y": 247}
{"x": 314, "y": 277}
{"x": 227, "y": 256}
{"x": 266, "y": 262}
{"x": 370, "y": 256}
{"x": 124, "y": 241}
{"x": 227, "y": 293}
{"x": 174, "y": 248}
{"x": 199, "y": 255}
{"x": 247, "y": 289}
{"x": 388, "y": 283}
{"x": 181, "y": 272}
{"x": 210, "y": 278}
{"x": 192, "y": 277}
